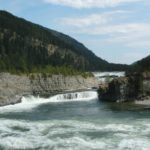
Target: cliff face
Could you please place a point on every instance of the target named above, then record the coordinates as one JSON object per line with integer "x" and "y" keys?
{"x": 130, "y": 88}
{"x": 13, "y": 87}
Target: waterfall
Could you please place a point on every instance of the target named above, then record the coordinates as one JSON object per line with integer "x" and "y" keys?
{"x": 75, "y": 96}
{"x": 30, "y": 102}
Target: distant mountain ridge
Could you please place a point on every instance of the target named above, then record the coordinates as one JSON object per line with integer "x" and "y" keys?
{"x": 26, "y": 46}
{"x": 142, "y": 65}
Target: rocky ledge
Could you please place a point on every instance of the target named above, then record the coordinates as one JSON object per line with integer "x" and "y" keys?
{"x": 13, "y": 87}
{"x": 133, "y": 87}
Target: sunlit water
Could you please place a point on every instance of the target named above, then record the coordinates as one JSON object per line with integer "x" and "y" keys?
{"x": 72, "y": 122}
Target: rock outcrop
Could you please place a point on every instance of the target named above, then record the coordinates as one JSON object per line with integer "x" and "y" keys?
{"x": 13, "y": 87}
{"x": 132, "y": 87}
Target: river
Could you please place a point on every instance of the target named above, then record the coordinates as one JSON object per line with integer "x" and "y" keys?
{"x": 77, "y": 121}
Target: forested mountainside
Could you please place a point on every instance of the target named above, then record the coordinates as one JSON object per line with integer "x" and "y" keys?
{"x": 25, "y": 46}
{"x": 141, "y": 65}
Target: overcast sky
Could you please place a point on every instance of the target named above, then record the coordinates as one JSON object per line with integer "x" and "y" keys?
{"x": 115, "y": 30}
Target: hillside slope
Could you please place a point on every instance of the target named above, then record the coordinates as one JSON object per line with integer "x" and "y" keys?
{"x": 25, "y": 46}
{"x": 141, "y": 65}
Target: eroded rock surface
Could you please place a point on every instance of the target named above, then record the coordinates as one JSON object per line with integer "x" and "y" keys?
{"x": 13, "y": 87}
{"x": 129, "y": 88}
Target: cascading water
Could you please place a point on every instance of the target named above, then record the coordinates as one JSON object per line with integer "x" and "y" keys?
{"x": 30, "y": 102}
{"x": 72, "y": 121}
{"x": 77, "y": 96}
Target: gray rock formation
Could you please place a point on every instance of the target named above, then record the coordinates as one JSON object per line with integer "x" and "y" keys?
{"x": 13, "y": 87}
{"x": 130, "y": 88}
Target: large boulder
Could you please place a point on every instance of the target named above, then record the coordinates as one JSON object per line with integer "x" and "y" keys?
{"x": 129, "y": 88}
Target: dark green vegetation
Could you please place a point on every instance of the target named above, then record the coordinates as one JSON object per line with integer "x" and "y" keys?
{"x": 27, "y": 47}
{"x": 142, "y": 65}
{"x": 48, "y": 71}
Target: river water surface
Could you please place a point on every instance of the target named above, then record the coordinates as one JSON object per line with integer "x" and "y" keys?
{"x": 75, "y": 121}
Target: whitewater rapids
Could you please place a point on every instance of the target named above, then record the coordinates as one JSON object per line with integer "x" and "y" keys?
{"x": 72, "y": 121}
{"x": 30, "y": 102}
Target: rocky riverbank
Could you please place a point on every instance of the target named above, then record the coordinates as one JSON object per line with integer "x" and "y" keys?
{"x": 13, "y": 87}
{"x": 134, "y": 87}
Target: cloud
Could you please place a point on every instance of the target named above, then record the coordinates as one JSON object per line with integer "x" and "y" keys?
{"x": 130, "y": 34}
{"x": 140, "y": 29}
{"x": 91, "y": 20}
{"x": 118, "y": 32}
{"x": 94, "y": 19}
{"x": 89, "y": 3}
{"x": 135, "y": 35}
{"x": 107, "y": 24}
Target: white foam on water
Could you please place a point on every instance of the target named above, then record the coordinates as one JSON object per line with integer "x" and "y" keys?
{"x": 134, "y": 144}
{"x": 44, "y": 135}
{"x": 76, "y": 96}
{"x": 23, "y": 135}
{"x": 102, "y": 77}
{"x": 47, "y": 135}
{"x": 69, "y": 135}
{"x": 119, "y": 127}
{"x": 101, "y": 74}
{"x": 30, "y": 102}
